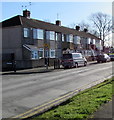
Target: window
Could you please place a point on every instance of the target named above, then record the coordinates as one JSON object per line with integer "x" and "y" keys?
{"x": 34, "y": 55}
{"x": 26, "y": 32}
{"x": 67, "y": 38}
{"x": 52, "y": 35}
{"x": 52, "y": 53}
{"x": 41, "y": 53}
{"x": 58, "y": 36}
{"x": 76, "y": 39}
{"x": 77, "y": 55}
{"x": 88, "y": 40}
{"x": 70, "y": 38}
{"x": 47, "y": 35}
{"x": 34, "y": 33}
{"x": 63, "y": 37}
{"x": 38, "y": 34}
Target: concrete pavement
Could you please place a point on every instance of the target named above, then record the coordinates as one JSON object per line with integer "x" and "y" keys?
{"x": 38, "y": 69}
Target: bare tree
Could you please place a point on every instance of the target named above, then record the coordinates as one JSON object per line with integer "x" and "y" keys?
{"x": 103, "y": 24}
{"x": 84, "y": 25}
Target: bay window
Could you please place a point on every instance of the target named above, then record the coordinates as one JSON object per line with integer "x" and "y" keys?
{"x": 34, "y": 55}
{"x": 52, "y": 53}
{"x": 41, "y": 53}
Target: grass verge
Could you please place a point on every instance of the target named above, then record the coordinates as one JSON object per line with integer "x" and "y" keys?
{"x": 82, "y": 105}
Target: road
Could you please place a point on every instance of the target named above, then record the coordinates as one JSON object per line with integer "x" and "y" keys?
{"x": 21, "y": 92}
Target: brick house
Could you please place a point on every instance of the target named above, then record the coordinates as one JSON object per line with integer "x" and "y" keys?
{"x": 29, "y": 41}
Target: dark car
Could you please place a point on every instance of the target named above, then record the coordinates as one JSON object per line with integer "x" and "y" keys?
{"x": 111, "y": 57}
{"x": 103, "y": 58}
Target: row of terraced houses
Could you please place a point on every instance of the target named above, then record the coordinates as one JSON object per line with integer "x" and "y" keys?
{"x": 29, "y": 41}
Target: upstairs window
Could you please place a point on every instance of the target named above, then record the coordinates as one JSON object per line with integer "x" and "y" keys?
{"x": 63, "y": 38}
{"x": 47, "y": 35}
{"x": 38, "y": 34}
{"x": 58, "y": 37}
{"x": 77, "y": 39}
{"x": 67, "y": 38}
{"x": 70, "y": 38}
{"x": 26, "y": 32}
{"x": 52, "y": 35}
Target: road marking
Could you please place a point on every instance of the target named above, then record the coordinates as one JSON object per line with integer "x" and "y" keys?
{"x": 55, "y": 102}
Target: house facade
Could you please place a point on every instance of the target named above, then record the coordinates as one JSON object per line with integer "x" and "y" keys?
{"x": 29, "y": 41}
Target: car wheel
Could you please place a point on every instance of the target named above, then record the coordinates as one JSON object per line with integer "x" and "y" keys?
{"x": 98, "y": 61}
{"x": 85, "y": 63}
{"x": 76, "y": 65}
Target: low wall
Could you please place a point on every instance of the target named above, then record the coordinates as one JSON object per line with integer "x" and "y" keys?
{"x": 8, "y": 65}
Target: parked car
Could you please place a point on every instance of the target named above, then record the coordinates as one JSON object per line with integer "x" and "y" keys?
{"x": 111, "y": 57}
{"x": 73, "y": 60}
{"x": 103, "y": 58}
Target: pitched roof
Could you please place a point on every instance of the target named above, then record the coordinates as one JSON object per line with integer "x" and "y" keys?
{"x": 33, "y": 23}
{"x": 14, "y": 21}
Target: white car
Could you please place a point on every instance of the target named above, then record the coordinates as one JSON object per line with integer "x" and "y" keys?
{"x": 73, "y": 60}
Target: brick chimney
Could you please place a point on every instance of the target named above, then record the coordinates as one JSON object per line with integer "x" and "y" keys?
{"x": 77, "y": 28}
{"x": 58, "y": 22}
{"x": 85, "y": 30}
{"x": 26, "y": 13}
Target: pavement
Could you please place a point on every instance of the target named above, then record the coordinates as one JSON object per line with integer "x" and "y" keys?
{"x": 38, "y": 69}
{"x": 105, "y": 112}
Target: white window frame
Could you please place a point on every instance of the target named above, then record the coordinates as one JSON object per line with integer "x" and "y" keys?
{"x": 71, "y": 38}
{"x": 41, "y": 50}
{"x": 52, "y": 56}
{"x": 77, "y": 40}
{"x": 37, "y": 34}
{"x": 47, "y": 35}
{"x": 52, "y": 35}
{"x": 63, "y": 38}
{"x": 34, "y": 54}
{"x": 67, "y": 38}
{"x": 26, "y": 32}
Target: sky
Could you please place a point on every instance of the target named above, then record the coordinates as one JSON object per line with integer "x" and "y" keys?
{"x": 67, "y": 12}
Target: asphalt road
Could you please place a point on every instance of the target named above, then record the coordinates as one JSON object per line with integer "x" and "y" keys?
{"x": 21, "y": 92}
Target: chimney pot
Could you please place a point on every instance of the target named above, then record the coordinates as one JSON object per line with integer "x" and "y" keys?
{"x": 58, "y": 22}
{"x": 85, "y": 30}
{"x": 77, "y": 28}
{"x": 26, "y": 13}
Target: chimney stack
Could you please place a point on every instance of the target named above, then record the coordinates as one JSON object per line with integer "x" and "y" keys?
{"x": 58, "y": 22}
{"x": 85, "y": 30}
{"x": 77, "y": 28}
{"x": 26, "y": 13}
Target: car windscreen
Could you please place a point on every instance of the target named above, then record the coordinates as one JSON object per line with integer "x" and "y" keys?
{"x": 67, "y": 56}
{"x": 77, "y": 55}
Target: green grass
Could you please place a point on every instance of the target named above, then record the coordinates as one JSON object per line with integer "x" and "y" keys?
{"x": 82, "y": 105}
{"x": 111, "y": 53}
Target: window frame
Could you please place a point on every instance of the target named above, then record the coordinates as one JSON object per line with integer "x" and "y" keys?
{"x": 33, "y": 55}
{"x": 41, "y": 50}
{"x": 37, "y": 32}
{"x": 52, "y": 50}
{"x": 26, "y": 32}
